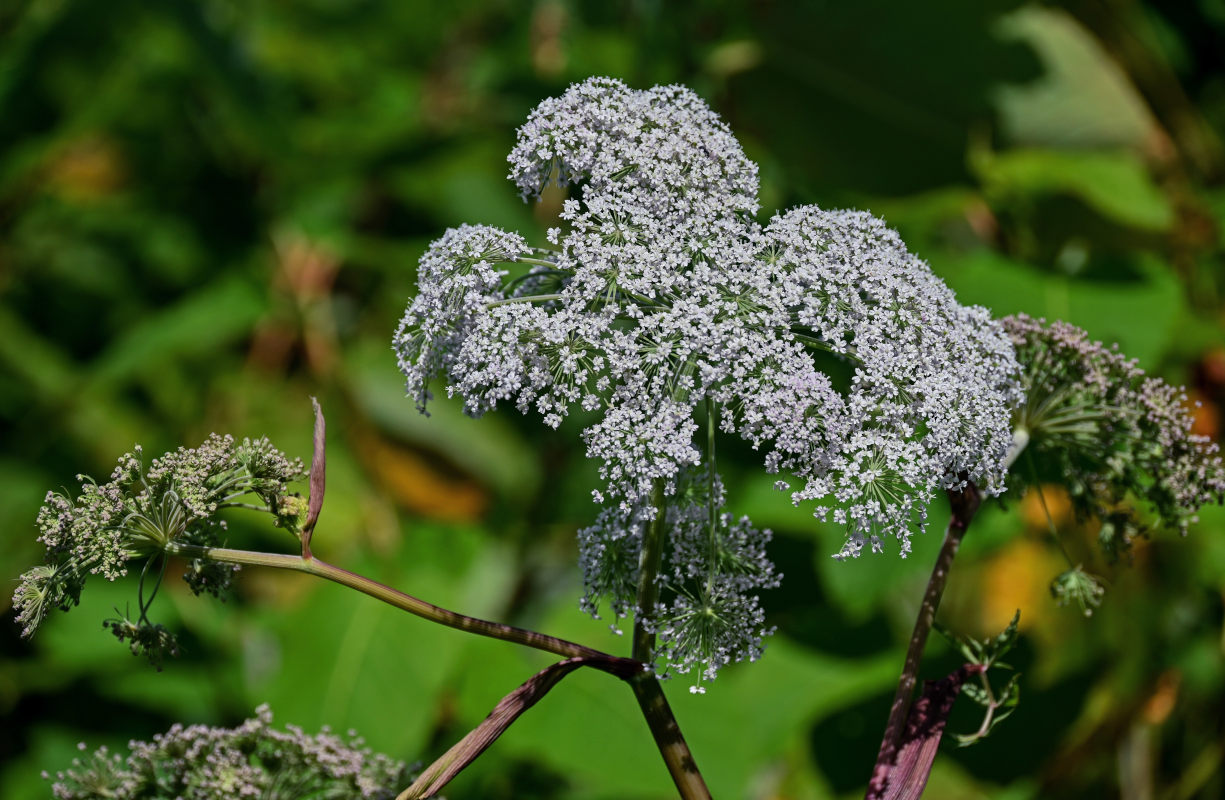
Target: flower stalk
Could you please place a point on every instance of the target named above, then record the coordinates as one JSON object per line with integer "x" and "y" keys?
{"x": 649, "y": 694}
{"x": 964, "y": 504}
{"x": 648, "y": 579}
{"x": 668, "y": 738}
{"x": 393, "y": 597}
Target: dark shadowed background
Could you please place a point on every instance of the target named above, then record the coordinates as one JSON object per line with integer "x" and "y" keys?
{"x": 210, "y": 211}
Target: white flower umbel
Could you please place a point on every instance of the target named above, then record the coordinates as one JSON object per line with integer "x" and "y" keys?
{"x": 661, "y": 302}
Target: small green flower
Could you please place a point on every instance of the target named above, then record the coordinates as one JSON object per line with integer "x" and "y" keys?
{"x": 144, "y": 639}
{"x": 1077, "y": 586}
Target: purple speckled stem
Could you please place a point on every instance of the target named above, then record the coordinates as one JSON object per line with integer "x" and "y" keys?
{"x": 964, "y": 505}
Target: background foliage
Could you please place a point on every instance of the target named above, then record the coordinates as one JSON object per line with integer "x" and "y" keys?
{"x": 211, "y": 210}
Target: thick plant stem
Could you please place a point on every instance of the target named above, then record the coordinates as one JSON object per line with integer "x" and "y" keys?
{"x": 406, "y": 602}
{"x": 964, "y": 505}
{"x": 650, "y": 695}
{"x": 668, "y": 738}
{"x": 648, "y": 578}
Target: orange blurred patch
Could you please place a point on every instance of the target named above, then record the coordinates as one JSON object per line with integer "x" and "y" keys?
{"x": 417, "y": 486}
{"x": 1017, "y": 576}
{"x": 87, "y": 169}
{"x": 982, "y": 220}
{"x": 305, "y": 274}
{"x": 1205, "y": 416}
{"x": 1161, "y": 702}
{"x": 1057, "y": 503}
{"x": 1213, "y": 367}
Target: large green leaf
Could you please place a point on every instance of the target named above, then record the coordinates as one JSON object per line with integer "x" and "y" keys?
{"x": 1082, "y": 98}
{"x": 1108, "y": 310}
{"x": 1116, "y": 184}
{"x": 341, "y": 658}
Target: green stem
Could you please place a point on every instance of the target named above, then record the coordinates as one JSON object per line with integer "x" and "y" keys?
{"x": 539, "y": 262}
{"x": 1050, "y": 520}
{"x": 527, "y": 298}
{"x": 248, "y": 506}
{"x": 393, "y": 597}
{"x": 812, "y": 341}
{"x": 648, "y": 692}
{"x": 509, "y": 285}
{"x": 648, "y": 578}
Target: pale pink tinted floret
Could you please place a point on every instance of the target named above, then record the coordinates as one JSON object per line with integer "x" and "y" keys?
{"x": 1117, "y": 439}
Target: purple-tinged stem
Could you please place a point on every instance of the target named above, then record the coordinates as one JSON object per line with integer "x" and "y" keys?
{"x": 964, "y": 505}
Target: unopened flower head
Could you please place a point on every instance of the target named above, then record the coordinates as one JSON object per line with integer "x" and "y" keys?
{"x": 662, "y": 303}
{"x": 252, "y": 760}
{"x": 142, "y": 512}
{"x": 1118, "y": 440}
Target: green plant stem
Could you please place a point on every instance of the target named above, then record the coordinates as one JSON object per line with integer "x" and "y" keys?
{"x": 405, "y": 602}
{"x": 527, "y": 298}
{"x": 1020, "y": 440}
{"x": 536, "y": 262}
{"x": 964, "y": 505}
{"x": 648, "y": 578}
{"x": 668, "y": 737}
{"x": 648, "y": 692}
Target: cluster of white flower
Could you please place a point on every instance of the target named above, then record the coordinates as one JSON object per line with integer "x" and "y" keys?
{"x": 660, "y": 295}
{"x": 139, "y": 512}
{"x": 252, "y": 760}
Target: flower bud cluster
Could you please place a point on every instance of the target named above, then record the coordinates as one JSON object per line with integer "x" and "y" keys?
{"x": 1118, "y": 440}
{"x": 138, "y": 514}
{"x": 253, "y": 760}
{"x": 660, "y": 294}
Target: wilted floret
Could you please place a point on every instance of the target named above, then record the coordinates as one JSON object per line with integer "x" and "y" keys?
{"x": 1118, "y": 440}
{"x": 253, "y": 760}
{"x": 818, "y": 338}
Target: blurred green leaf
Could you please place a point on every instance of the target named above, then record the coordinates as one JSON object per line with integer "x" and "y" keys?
{"x": 343, "y": 659}
{"x": 487, "y": 448}
{"x": 202, "y": 322}
{"x": 1082, "y": 98}
{"x": 1115, "y": 184}
{"x": 1106, "y": 309}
